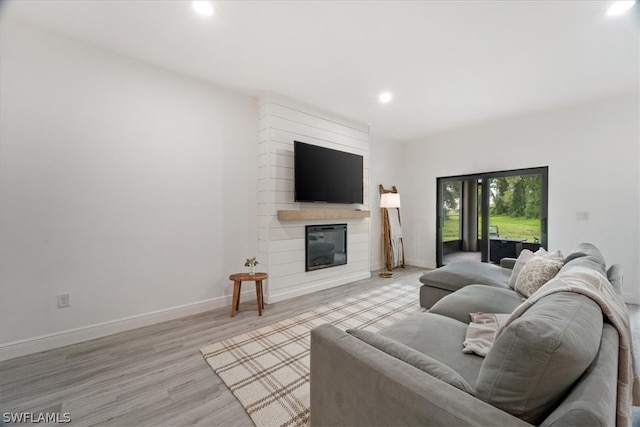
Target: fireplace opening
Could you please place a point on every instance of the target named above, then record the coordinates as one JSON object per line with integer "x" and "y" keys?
{"x": 326, "y": 246}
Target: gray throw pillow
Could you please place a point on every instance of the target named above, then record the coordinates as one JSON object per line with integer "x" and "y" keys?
{"x": 413, "y": 358}
{"x": 536, "y": 360}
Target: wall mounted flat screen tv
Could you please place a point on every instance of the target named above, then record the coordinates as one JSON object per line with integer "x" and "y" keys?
{"x": 326, "y": 175}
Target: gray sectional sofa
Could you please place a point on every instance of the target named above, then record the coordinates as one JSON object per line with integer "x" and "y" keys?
{"x": 554, "y": 366}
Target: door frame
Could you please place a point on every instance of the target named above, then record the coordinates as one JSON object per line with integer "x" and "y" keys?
{"x": 484, "y": 178}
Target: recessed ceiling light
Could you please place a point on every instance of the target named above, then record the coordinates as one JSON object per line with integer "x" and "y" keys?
{"x": 203, "y": 8}
{"x": 384, "y": 97}
{"x": 619, "y": 7}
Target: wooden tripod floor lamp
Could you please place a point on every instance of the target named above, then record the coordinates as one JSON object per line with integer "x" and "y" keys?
{"x": 389, "y": 199}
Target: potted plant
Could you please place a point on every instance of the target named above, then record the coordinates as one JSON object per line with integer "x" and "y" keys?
{"x": 251, "y": 263}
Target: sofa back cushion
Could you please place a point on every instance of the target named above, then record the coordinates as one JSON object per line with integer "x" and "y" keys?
{"x": 584, "y": 249}
{"x": 540, "y": 355}
{"x": 585, "y": 255}
{"x": 592, "y": 401}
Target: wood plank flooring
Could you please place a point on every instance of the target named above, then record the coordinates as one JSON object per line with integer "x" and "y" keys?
{"x": 156, "y": 376}
{"x": 153, "y": 376}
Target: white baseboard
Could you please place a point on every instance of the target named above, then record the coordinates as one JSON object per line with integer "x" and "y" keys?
{"x": 73, "y": 336}
{"x": 299, "y": 291}
{"x": 631, "y": 298}
{"x": 407, "y": 262}
{"x": 420, "y": 263}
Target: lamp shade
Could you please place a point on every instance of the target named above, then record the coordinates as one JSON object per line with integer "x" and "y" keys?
{"x": 390, "y": 200}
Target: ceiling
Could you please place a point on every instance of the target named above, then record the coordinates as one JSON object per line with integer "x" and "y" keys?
{"x": 447, "y": 63}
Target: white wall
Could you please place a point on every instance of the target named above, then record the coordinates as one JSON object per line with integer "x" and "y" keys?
{"x": 130, "y": 187}
{"x": 592, "y": 154}
{"x": 281, "y": 243}
{"x": 385, "y": 169}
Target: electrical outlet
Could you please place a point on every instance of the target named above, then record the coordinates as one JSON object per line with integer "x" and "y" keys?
{"x": 582, "y": 215}
{"x": 63, "y": 300}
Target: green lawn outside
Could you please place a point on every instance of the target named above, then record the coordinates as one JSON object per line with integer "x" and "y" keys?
{"x": 513, "y": 227}
{"x": 451, "y": 229}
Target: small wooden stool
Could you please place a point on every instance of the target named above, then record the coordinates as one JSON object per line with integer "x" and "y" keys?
{"x": 237, "y": 284}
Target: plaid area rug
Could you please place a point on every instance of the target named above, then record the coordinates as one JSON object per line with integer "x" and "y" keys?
{"x": 268, "y": 369}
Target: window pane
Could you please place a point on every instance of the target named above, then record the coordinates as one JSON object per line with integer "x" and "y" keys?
{"x": 515, "y": 207}
{"x": 451, "y": 193}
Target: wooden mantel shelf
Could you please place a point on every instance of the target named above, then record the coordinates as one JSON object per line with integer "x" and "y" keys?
{"x": 308, "y": 214}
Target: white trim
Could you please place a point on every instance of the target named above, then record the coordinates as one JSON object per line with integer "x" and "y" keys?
{"x": 73, "y": 336}
{"x": 274, "y": 98}
{"x": 419, "y": 263}
{"x": 299, "y": 291}
{"x": 630, "y": 298}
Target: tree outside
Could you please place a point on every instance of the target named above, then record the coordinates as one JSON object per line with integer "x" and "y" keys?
{"x": 515, "y": 206}
{"x": 514, "y": 203}
{"x": 451, "y": 193}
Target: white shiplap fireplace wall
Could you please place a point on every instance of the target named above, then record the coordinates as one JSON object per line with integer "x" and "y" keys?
{"x": 281, "y": 250}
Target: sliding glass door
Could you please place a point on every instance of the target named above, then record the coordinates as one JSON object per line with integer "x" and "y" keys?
{"x": 451, "y": 218}
{"x": 488, "y": 216}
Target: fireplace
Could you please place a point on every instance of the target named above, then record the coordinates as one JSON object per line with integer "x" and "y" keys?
{"x": 325, "y": 246}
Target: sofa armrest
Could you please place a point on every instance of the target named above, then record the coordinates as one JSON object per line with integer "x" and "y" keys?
{"x": 614, "y": 274}
{"x": 508, "y": 263}
{"x": 354, "y": 384}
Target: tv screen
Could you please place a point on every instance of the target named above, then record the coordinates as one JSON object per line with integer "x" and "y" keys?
{"x": 326, "y": 175}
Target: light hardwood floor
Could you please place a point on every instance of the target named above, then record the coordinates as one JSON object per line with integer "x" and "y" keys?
{"x": 156, "y": 376}
{"x": 153, "y": 376}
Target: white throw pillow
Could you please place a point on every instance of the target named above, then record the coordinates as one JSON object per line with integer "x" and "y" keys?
{"x": 525, "y": 255}
{"x": 555, "y": 256}
{"x": 535, "y": 273}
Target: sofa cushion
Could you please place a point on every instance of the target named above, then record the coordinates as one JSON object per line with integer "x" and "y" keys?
{"x": 508, "y": 263}
{"x": 413, "y": 358}
{"x": 438, "y": 337}
{"x": 474, "y": 298}
{"x": 535, "y": 273}
{"x": 537, "y": 358}
{"x": 459, "y": 274}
